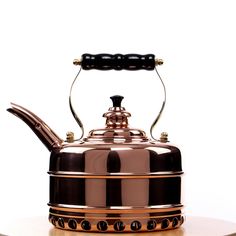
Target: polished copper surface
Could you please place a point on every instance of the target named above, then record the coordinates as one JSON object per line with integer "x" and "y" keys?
{"x": 117, "y": 117}
{"x": 114, "y": 180}
{"x": 117, "y": 180}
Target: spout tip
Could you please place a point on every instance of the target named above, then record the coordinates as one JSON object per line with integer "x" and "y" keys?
{"x": 11, "y": 109}
{"x": 13, "y": 105}
{"x": 14, "y": 108}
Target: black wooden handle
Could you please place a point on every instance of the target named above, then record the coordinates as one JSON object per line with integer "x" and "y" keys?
{"x": 118, "y": 62}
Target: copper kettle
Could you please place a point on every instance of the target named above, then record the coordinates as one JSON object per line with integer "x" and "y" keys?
{"x": 116, "y": 179}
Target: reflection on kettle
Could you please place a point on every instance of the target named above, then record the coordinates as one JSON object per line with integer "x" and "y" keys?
{"x": 116, "y": 179}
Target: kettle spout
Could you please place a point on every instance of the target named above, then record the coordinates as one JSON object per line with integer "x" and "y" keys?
{"x": 44, "y": 133}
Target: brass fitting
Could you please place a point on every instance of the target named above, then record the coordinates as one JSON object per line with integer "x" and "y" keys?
{"x": 164, "y": 137}
{"x": 70, "y": 137}
{"x": 159, "y": 62}
{"x": 77, "y": 62}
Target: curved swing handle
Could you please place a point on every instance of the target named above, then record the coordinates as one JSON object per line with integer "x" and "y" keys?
{"x": 118, "y": 61}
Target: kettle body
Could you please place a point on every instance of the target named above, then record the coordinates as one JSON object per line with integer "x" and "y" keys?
{"x": 118, "y": 187}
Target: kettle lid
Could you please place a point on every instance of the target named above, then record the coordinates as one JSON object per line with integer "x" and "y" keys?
{"x": 117, "y": 126}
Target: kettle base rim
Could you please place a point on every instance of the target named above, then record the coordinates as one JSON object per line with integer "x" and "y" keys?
{"x": 120, "y": 221}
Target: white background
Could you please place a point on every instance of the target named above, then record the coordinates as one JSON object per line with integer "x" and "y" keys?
{"x": 196, "y": 39}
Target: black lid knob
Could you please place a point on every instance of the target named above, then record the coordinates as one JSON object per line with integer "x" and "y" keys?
{"x": 116, "y": 99}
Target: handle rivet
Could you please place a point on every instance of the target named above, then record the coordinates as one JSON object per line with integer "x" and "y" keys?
{"x": 70, "y": 137}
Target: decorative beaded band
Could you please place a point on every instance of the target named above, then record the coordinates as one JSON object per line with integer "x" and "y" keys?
{"x": 117, "y": 222}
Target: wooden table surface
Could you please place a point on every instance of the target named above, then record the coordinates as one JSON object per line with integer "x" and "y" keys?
{"x": 193, "y": 226}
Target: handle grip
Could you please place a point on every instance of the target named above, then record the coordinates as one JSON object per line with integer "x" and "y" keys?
{"x": 118, "y": 62}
